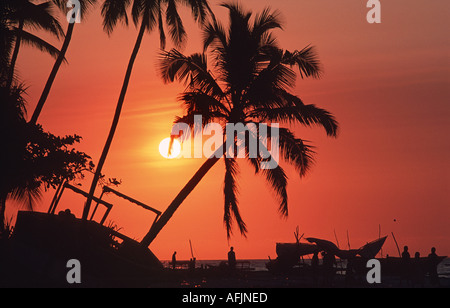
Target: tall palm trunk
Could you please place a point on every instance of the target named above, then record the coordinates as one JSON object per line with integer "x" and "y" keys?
{"x": 114, "y": 123}
{"x": 165, "y": 217}
{"x": 15, "y": 54}
{"x": 54, "y": 72}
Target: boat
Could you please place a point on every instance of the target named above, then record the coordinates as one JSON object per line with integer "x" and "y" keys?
{"x": 290, "y": 254}
{"x": 371, "y": 250}
{"x": 41, "y": 245}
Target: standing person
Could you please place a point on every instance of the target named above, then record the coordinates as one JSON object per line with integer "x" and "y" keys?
{"x": 232, "y": 258}
{"x": 329, "y": 261}
{"x": 406, "y": 266}
{"x": 432, "y": 267}
{"x": 315, "y": 267}
{"x": 417, "y": 271}
{"x": 174, "y": 260}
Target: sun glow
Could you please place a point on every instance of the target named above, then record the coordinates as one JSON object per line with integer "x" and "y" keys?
{"x": 164, "y": 149}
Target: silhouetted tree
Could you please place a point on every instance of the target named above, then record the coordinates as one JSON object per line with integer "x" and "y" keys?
{"x": 147, "y": 15}
{"x": 248, "y": 81}
{"x": 20, "y": 14}
{"x": 31, "y": 159}
{"x": 62, "y": 4}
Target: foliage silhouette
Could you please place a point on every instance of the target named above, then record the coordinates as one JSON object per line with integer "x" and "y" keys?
{"x": 16, "y": 15}
{"x": 32, "y": 160}
{"x": 247, "y": 80}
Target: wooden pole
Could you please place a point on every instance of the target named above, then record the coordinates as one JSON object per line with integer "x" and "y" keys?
{"x": 379, "y": 236}
{"x": 348, "y": 241}
{"x": 398, "y": 248}
{"x": 337, "y": 241}
{"x": 192, "y": 252}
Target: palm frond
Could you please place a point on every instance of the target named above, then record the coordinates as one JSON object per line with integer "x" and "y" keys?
{"x": 175, "y": 24}
{"x": 114, "y": 11}
{"x": 269, "y": 80}
{"x": 39, "y": 16}
{"x": 296, "y": 151}
{"x": 307, "y": 115}
{"x": 197, "y": 102}
{"x": 266, "y": 21}
{"x": 28, "y": 195}
{"x": 162, "y": 34}
{"x": 231, "y": 209}
{"x": 200, "y": 9}
{"x": 32, "y": 40}
{"x": 311, "y": 115}
{"x": 214, "y": 32}
{"x": 278, "y": 179}
{"x": 306, "y": 60}
{"x": 191, "y": 70}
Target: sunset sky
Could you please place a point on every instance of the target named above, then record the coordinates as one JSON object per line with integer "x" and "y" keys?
{"x": 387, "y": 84}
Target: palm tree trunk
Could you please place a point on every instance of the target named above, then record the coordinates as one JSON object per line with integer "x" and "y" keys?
{"x": 15, "y": 54}
{"x": 165, "y": 217}
{"x": 114, "y": 123}
{"x": 54, "y": 72}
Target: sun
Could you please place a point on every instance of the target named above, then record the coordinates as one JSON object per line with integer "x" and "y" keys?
{"x": 164, "y": 148}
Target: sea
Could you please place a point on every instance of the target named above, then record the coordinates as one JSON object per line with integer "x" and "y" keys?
{"x": 260, "y": 265}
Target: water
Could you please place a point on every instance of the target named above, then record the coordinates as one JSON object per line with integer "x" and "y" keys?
{"x": 444, "y": 268}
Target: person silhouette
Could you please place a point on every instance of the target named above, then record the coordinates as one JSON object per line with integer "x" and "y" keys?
{"x": 417, "y": 271}
{"x": 432, "y": 267}
{"x": 315, "y": 267}
{"x": 174, "y": 260}
{"x": 232, "y": 258}
{"x": 329, "y": 261}
{"x": 405, "y": 266}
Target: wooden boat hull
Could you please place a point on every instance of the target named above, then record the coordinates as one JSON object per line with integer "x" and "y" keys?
{"x": 42, "y": 244}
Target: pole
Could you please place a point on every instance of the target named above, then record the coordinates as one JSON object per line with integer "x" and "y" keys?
{"x": 192, "y": 252}
{"x": 398, "y": 249}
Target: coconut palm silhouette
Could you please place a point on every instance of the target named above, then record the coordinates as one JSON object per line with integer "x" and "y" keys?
{"x": 246, "y": 81}
{"x": 146, "y": 14}
{"x": 62, "y": 4}
{"x": 20, "y": 14}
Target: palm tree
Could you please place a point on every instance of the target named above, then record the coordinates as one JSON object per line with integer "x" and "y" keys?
{"x": 146, "y": 14}
{"x": 21, "y": 14}
{"x": 249, "y": 83}
{"x": 62, "y": 4}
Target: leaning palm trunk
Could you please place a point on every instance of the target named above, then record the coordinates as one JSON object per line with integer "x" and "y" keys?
{"x": 54, "y": 72}
{"x": 184, "y": 193}
{"x": 114, "y": 123}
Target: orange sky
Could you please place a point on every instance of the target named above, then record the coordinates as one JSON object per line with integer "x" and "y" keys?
{"x": 387, "y": 84}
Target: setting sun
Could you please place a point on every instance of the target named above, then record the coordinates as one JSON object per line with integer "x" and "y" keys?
{"x": 164, "y": 149}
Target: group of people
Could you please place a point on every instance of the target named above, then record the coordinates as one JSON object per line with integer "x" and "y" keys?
{"x": 413, "y": 270}
{"x": 231, "y": 260}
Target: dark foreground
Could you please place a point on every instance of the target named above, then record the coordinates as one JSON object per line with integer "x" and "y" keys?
{"x": 265, "y": 279}
{"x": 40, "y": 250}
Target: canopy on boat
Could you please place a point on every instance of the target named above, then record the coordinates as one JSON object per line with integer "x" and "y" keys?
{"x": 297, "y": 249}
